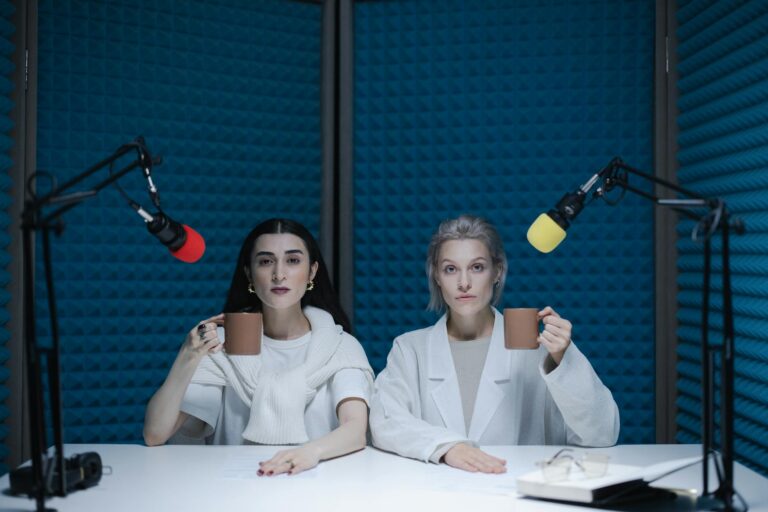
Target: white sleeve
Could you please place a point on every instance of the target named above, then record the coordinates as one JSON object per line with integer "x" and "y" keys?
{"x": 587, "y": 406}
{"x": 350, "y": 383}
{"x": 441, "y": 450}
{"x": 203, "y": 403}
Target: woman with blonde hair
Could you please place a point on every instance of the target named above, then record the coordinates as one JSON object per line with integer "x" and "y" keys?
{"x": 449, "y": 388}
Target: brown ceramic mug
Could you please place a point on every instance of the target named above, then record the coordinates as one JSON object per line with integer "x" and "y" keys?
{"x": 242, "y": 334}
{"x": 521, "y": 328}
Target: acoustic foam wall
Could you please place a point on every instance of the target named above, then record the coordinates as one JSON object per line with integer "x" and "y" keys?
{"x": 723, "y": 65}
{"x": 228, "y": 93}
{"x": 6, "y": 68}
{"x": 498, "y": 108}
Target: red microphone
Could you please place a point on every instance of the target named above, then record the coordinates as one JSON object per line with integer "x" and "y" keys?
{"x": 184, "y": 242}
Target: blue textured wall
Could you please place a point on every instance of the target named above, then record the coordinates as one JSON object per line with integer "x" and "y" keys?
{"x": 498, "y": 108}
{"x": 228, "y": 93}
{"x": 6, "y": 86}
{"x": 723, "y": 65}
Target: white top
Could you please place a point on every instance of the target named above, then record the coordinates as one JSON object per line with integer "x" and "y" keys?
{"x": 220, "y": 416}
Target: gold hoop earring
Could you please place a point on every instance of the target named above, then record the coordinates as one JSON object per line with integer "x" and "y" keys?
{"x": 310, "y": 285}
{"x": 251, "y": 288}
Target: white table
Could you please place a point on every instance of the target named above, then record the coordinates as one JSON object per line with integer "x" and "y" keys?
{"x": 213, "y": 478}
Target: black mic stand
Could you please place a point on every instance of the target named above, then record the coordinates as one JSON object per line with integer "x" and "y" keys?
{"x": 615, "y": 174}
{"x": 49, "y": 472}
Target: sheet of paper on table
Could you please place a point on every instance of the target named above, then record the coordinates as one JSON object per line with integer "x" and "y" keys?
{"x": 246, "y": 467}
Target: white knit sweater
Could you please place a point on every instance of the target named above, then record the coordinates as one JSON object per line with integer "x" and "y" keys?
{"x": 278, "y": 399}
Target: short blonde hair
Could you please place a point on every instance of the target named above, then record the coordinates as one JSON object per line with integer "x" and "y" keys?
{"x": 465, "y": 227}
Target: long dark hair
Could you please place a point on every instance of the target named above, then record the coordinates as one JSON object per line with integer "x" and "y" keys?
{"x": 322, "y": 296}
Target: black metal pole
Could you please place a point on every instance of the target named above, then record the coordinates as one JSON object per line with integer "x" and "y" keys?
{"x": 726, "y": 490}
{"x": 33, "y": 368}
{"x": 706, "y": 362}
{"x": 54, "y": 370}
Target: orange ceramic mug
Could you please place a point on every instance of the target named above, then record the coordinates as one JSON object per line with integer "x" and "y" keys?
{"x": 242, "y": 334}
{"x": 521, "y": 328}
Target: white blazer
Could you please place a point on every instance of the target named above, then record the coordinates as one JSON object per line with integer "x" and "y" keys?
{"x": 417, "y": 407}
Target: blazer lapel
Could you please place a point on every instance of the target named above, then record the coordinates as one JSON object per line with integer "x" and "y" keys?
{"x": 495, "y": 372}
{"x": 441, "y": 368}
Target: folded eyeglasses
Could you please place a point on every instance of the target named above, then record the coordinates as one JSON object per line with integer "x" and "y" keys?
{"x": 558, "y": 467}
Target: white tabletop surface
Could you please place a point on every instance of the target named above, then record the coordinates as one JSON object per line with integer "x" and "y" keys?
{"x": 213, "y": 478}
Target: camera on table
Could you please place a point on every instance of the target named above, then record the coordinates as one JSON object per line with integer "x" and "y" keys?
{"x": 83, "y": 470}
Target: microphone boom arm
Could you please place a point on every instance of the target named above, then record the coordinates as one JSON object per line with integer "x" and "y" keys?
{"x": 717, "y": 218}
{"x": 85, "y": 194}
{"x": 35, "y": 205}
{"x": 45, "y": 467}
{"x": 610, "y": 176}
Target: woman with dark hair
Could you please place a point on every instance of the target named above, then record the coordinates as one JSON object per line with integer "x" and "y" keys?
{"x": 239, "y": 298}
{"x": 311, "y": 382}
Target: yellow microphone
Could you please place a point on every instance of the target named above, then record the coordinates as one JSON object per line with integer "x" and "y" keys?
{"x": 545, "y": 233}
{"x": 548, "y": 230}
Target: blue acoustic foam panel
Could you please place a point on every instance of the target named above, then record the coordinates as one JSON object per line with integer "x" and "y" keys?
{"x": 723, "y": 140}
{"x": 498, "y": 108}
{"x": 7, "y": 29}
{"x": 228, "y": 93}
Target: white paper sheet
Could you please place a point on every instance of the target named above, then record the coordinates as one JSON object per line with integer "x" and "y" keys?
{"x": 246, "y": 467}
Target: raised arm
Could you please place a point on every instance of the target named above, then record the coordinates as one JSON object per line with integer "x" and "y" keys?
{"x": 587, "y": 406}
{"x": 164, "y": 417}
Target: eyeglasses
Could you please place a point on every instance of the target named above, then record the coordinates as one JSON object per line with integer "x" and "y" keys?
{"x": 558, "y": 468}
